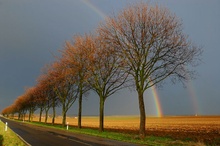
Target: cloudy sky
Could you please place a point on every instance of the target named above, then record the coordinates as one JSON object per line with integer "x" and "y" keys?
{"x": 32, "y": 32}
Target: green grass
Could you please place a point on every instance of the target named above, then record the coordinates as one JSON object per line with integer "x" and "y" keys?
{"x": 9, "y": 138}
{"x": 131, "y": 138}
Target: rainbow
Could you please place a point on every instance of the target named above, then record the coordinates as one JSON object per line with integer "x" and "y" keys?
{"x": 153, "y": 89}
{"x": 94, "y": 8}
{"x": 192, "y": 94}
{"x": 157, "y": 101}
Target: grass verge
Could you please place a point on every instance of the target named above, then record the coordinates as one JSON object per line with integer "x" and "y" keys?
{"x": 9, "y": 138}
{"x": 131, "y": 138}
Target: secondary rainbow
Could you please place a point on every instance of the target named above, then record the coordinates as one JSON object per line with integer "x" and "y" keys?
{"x": 193, "y": 97}
{"x": 94, "y": 8}
{"x": 153, "y": 89}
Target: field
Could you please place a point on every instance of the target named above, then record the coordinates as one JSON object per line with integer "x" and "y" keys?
{"x": 204, "y": 129}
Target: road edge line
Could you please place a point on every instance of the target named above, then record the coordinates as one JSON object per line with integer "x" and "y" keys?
{"x": 21, "y": 138}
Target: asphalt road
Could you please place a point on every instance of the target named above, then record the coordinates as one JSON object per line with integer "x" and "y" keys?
{"x": 40, "y": 136}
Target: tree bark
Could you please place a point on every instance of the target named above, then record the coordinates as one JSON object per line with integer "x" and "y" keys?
{"x": 29, "y": 116}
{"x": 64, "y": 116}
{"x": 142, "y": 115}
{"x": 101, "y": 115}
{"x": 32, "y": 114}
{"x": 24, "y": 115}
{"x": 41, "y": 110}
{"x": 19, "y": 115}
{"x": 54, "y": 114}
{"x": 46, "y": 115}
{"x": 80, "y": 109}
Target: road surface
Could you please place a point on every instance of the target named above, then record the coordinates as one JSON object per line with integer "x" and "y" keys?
{"x": 40, "y": 136}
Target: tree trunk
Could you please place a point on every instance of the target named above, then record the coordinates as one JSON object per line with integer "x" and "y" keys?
{"x": 19, "y": 116}
{"x": 32, "y": 114}
{"x": 46, "y": 115}
{"x": 29, "y": 116}
{"x": 41, "y": 110}
{"x": 101, "y": 114}
{"x": 80, "y": 109}
{"x": 54, "y": 114}
{"x": 64, "y": 116}
{"x": 24, "y": 114}
{"x": 142, "y": 115}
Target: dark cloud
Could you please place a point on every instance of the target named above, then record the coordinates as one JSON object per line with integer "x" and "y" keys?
{"x": 32, "y": 31}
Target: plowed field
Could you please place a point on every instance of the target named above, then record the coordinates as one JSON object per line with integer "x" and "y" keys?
{"x": 197, "y": 128}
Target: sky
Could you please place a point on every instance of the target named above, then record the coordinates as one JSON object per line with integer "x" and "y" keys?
{"x": 32, "y": 32}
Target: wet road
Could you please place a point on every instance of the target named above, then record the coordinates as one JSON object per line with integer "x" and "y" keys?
{"x": 40, "y": 136}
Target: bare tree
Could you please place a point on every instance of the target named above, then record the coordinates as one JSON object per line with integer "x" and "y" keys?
{"x": 106, "y": 75}
{"x": 151, "y": 41}
{"x": 21, "y": 106}
{"x": 46, "y": 96}
{"x": 75, "y": 57}
{"x": 30, "y": 96}
{"x": 64, "y": 86}
{"x": 40, "y": 99}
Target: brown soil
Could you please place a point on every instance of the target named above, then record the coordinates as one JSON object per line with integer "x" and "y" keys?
{"x": 204, "y": 129}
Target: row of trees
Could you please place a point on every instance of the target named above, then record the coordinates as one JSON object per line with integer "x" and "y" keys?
{"x": 140, "y": 47}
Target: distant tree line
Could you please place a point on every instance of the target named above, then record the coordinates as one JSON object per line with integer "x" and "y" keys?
{"x": 138, "y": 48}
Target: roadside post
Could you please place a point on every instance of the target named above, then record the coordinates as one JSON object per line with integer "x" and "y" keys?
{"x": 6, "y": 126}
{"x": 67, "y": 125}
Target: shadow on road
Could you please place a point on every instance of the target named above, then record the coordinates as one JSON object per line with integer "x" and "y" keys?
{"x": 1, "y": 140}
